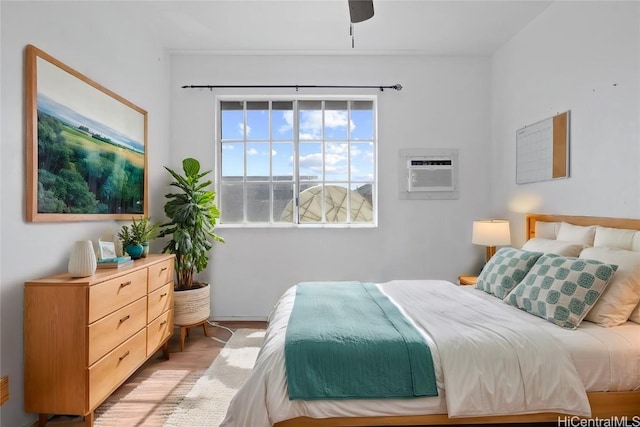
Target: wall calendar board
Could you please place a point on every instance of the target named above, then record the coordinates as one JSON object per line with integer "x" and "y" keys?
{"x": 542, "y": 150}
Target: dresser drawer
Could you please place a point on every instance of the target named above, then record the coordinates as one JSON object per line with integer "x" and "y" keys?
{"x": 160, "y": 274}
{"x": 159, "y": 330}
{"x": 115, "y": 367}
{"x": 160, "y": 301}
{"x": 109, "y": 296}
{"x": 110, "y": 331}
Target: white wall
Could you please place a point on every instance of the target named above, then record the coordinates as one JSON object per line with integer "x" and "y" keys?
{"x": 570, "y": 57}
{"x": 98, "y": 40}
{"x": 583, "y": 57}
{"x": 444, "y": 104}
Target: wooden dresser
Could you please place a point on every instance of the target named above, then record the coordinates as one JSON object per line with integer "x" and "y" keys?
{"x": 84, "y": 337}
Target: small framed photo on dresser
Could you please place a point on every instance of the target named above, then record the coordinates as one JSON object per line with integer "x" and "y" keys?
{"x": 106, "y": 250}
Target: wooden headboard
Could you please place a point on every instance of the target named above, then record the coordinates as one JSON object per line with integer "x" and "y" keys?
{"x": 531, "y": 219}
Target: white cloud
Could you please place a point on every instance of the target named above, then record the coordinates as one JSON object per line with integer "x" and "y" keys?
{"x": 274, "y": 152}
{"x": 337, "y": 119}
{"x": 338, "y": 148}
{"x": 241, "y": 129}
{"x": 288, "y": 118}
{"x": 334, "y": 163}
{"x": 311, "y": 122}
{"x": 366, "y": 154}
{"x": 311, "y": 161}
{"x": 334, "y": 159}
{"x": 252, "y": 152}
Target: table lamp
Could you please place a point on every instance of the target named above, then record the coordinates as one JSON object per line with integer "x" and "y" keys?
{"x": 491, "y": 233}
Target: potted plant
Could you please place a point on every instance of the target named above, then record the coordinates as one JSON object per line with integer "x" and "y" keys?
{"x": 135, "y": 238}
{"x": 130, "y": 243}
{"x": 144, "y": 231}
{"x": 192, "y": 217}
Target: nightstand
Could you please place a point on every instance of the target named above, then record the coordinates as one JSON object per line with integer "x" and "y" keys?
{"x": 467, "y": 280}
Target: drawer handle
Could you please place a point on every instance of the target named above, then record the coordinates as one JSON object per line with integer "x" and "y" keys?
{"x": 122, "y": 285}
{"x": 164, "y": 322}
{"x": 163, "y": 295}
{"x": 124, "y": 355}
{"x": 163, "y": 269}
{"x": 124, "y": 318}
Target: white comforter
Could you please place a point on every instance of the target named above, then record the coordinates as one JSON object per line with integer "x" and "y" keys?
{"x": 488, "y": 360}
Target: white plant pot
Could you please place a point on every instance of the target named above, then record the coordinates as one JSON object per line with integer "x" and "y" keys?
{"x": 191, "y": 306}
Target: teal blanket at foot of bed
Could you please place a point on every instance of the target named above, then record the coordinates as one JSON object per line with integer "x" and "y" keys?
{"x": 347, "y": 340}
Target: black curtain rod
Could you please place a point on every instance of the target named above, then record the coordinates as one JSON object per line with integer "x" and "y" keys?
{"x": 397, "y": 87}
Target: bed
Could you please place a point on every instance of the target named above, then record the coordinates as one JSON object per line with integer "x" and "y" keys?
{"x": 601, "y": 364}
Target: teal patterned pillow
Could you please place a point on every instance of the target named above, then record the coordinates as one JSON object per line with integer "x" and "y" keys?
{"x": 505, "y": 270}
{"x": 561, "y": 290}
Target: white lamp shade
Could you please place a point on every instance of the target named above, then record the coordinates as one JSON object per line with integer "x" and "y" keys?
{"x": 491, "y": 232}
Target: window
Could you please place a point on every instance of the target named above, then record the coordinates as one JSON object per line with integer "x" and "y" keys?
{"x": 297, "y": 161}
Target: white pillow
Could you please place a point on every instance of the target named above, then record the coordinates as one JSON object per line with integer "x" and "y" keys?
{"x": 635, "y": 314}
{"x": 635, "y": 244}
{"x": 614, "y": 237}
{"x": 549, "y": 246}
{"x": 622, "y": 294}
{"x": 547, "y": 230}
{"x": 576, "y": 233}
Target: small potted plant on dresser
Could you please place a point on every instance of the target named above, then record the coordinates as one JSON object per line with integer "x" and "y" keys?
{"x": 135, "y": 237}
{"x": 144, "y": 231}
{"x": 192, "y": 217}
{"x": 130, "y": 243}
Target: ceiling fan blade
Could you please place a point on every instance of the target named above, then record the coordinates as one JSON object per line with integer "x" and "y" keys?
{"x": 360, "y": 10}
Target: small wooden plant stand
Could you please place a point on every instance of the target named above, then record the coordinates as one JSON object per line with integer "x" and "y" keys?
{"x": 184, "y": 331}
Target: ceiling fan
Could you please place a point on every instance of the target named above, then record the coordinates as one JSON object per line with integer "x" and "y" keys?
{"x": 359, "y": 10}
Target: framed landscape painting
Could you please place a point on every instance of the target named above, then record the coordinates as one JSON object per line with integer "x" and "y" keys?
{"x": 86, "y": 146}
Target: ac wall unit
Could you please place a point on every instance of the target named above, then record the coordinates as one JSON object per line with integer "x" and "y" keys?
{"x": 430, "y": 174}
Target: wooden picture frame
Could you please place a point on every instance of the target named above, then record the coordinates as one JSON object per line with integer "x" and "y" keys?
{"x": 86, "y": 147}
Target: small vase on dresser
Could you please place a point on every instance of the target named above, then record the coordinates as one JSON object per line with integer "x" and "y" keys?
{"x": 134, "y": 250}
{"x": 82, "y": 261}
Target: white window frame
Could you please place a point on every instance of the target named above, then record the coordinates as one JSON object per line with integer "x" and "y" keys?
{"x": 287, "y": 98}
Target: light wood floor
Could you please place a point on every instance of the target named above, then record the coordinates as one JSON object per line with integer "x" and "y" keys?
{"x": 199, "y": 352}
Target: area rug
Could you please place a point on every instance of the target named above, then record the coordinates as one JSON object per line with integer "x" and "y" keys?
{"x": 147, "y": 403}
{"x": 207, "y": 402}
